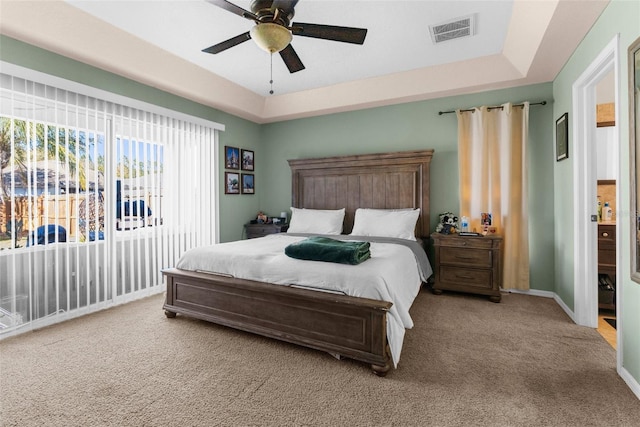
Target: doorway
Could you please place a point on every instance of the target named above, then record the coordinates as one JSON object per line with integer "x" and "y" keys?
{"x": 585, "y": 186}
{"x": 607, "y": 184}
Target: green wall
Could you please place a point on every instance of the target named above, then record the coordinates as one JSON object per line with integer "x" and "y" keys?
{"x": 235, "y": 210}
{"x": 395, "y": 128}
{"x": 414, "y": 126}
{"x": 620, "y": 17}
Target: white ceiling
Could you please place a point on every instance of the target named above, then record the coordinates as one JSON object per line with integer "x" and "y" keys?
{"x": 159, "y": 43}
{"x": 195, "y": 25}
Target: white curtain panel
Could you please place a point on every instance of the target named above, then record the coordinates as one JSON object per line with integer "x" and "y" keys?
{"x": 492, "y": 160}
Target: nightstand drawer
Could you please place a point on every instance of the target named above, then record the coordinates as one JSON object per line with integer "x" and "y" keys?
{"x": 606, "y": 258}
{"x": 606, "y": 236}
{"x": 466, "y": 257}
{"x": 467, "y": 242}
{"x": 261, "y": 230}
{"x": 465, "y": 277}
{"x": 607, "y": 249}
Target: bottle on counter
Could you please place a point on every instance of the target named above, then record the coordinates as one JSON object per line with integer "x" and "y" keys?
{"x": 608, "y": 212}
{"x": 599, "y": 210}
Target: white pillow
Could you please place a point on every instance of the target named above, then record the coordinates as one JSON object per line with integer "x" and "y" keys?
{"x": 399, "y": 223}
{"x": 316, "y": 221}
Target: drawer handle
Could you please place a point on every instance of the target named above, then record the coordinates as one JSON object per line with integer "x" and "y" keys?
{"x": 464, "y": 257}
{"x": 464, "y": 276}
{"x": 605, "y": 234}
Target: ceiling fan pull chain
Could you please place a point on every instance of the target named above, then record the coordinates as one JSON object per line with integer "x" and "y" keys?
{"x": 271, "y": 81}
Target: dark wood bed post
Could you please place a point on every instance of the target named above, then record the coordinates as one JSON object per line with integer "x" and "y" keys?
{"x": 338, "y": 324}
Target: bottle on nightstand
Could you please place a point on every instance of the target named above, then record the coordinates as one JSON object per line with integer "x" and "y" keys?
{"x": 464, "y": 224}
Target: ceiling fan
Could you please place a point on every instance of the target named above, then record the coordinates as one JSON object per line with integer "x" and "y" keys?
{"x": 273, "y": 33}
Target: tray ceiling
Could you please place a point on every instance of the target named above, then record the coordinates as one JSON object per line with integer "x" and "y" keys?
{"x": 160, "y": 43}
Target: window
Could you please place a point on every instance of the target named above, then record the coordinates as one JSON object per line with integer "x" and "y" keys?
{"x": 139, "y": 173}
{"x": 97, "y": 197}
{"x": 50, "y": 177}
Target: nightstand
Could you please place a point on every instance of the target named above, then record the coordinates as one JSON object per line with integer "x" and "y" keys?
{"x": 468, "y": 264}
{"x": 261, "y": 230}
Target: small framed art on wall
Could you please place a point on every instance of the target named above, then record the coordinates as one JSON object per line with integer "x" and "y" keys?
{"x": 247, "y": 160}
{"x": 562, "y": 137}
{"x": 231, "y": 183}
{"x": 231, "y": 157}
{"x": 248, "y": 185}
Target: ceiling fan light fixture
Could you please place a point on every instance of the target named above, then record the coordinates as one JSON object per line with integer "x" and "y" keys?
{"x": 271, "y": 37}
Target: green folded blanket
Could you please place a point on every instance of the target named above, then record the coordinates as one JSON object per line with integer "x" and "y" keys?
{"x": 330, "y": 250}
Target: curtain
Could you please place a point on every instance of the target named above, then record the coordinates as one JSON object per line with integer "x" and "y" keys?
{"x": 96, "y": 198}
{"x": 492, "y": 160}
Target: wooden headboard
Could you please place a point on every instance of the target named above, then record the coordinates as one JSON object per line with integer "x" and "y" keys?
{"x": 379, "y": 181}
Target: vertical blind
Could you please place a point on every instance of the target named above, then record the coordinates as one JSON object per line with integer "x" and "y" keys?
{"x": 96, "y": 198}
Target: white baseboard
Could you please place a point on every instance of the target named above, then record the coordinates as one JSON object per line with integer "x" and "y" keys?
{"x": 534, "y": 292}
{"x": 631, "y": 382}
{"x": 545, "y": 294}
{"x": 62, "y": 315}
{"x": 564, "y": 306}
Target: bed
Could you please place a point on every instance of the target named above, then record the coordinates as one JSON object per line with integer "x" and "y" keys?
{"x": 342, "y": 325}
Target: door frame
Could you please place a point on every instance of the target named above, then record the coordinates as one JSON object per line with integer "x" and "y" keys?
{"x": 584, "y": 187}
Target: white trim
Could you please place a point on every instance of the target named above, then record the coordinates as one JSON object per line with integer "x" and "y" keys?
{"x": 585, "y": 241}
{"x": 631, "y": 382}
{"x": 565, "y": 307}
{"x": 532, "y": 292}
{"x": 584, "y": 177}
{"x": 57, "y": 317}
{"x": 48, "y": 79}
{"x": 619, "y": 178}
{"x": 546, "y": 294}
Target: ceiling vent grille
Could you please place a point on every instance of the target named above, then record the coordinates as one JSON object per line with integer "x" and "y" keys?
{"x": 460, "y": 27}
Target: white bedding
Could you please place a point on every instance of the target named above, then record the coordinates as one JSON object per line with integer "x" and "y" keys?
{"x": 391, "y": 274}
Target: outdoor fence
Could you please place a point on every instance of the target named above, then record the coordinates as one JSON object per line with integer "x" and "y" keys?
{"x": 52, "y": 209}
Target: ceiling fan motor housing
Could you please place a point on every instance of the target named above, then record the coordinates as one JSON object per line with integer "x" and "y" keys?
{"x": 267, "y": 13}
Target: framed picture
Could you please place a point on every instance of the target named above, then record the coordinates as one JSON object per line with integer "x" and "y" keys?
{"x": 562, "y": 137}
{"x": 247, "y": 160}
{"x": 231, "y": 183}
{"x": 231, "y": 157}
{"x": 485, "y": 218}
{"x": 248, "y": 183}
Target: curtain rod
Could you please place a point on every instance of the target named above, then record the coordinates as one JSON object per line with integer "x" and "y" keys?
{"x": 492, "y": 108}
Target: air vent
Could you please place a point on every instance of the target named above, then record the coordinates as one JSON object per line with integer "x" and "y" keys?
{"x": 460, "y": 27}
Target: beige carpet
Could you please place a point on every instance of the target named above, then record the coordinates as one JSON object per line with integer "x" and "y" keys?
{"x": 467, "y": 362}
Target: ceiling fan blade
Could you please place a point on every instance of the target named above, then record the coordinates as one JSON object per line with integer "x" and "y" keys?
{"x": 234, "y": 9}
{"x": 234, "y": 41}
{"x": 291, "y": 59}
{"x": 330, "y": 32}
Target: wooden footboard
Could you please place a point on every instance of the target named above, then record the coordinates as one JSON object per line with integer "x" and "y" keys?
{"x": 339, "y": 324}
